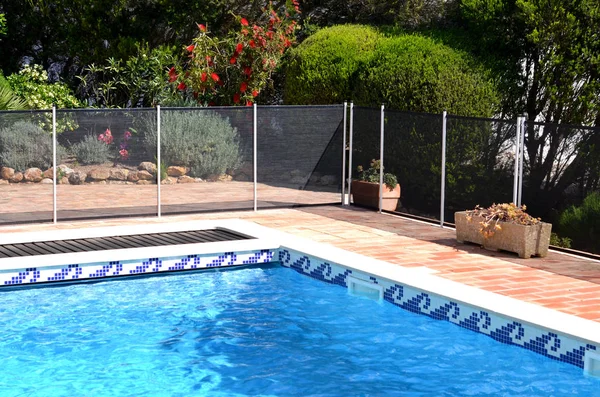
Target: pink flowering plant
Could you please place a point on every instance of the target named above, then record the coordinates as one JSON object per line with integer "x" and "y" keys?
{"x": 123, "y": 148}
{"x": 235, "y": 69}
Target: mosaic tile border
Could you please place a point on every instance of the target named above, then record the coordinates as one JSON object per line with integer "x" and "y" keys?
{"x": 503, "y": 329}
{"x": 89, "y": 271}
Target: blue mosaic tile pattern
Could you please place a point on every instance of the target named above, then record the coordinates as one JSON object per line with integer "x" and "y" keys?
{"x": 113, "y": 269}
{"x": 502, "y": 329}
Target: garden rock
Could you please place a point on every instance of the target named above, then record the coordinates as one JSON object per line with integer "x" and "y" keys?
{"x": 7, "y": 173}
{"x": 186, "y": 179}
{"x": 119, "y": 174}
{"x": 17, "y": 177}
{"x": 4, "y": 182}
{"x": 145, "y": 175}
{"x": 77, "y": 177}
{"x": 147, "y": 166}
{"x": 32, "y": 175}
{"x": 133, "y": 176}
{"x": 169, "y": 181}
{"x": 65, "y": 169}
{"x": 49, "y": 173}
{"x": 64, "y": 180}
{"x": 47, "y": 181}
{"x": 176, "y": 171}
{"x": 144, "y": 182}
{"x": 98, "y": 174}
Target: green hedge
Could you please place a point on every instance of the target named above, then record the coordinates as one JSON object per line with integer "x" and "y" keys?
{"x": 582, "y": 224}
{"x": 322, "y": 68}
{"x": 406, "y": 72}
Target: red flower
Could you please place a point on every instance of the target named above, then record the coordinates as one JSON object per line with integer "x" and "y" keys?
{"x": 236, "y": 98}
{"x": 244, "y": 21}
{"x": 201, "y": 27}
{"x": 243, "y": 87}
{"x": 245, "y": 32}
{"x": 252, "y": 44}
{"x": 203, "y": 77}
{"x": 254, "y": 93}
{"x": 221, "y": 83}
{"x": 209, "y": 60}
{"x": 248, "y": 103}
{"x": 214, "y": 76}
{"x": 211, "y": 104}
{"x": 190, "y": 48}
{"x": 239, "y": 48}
{"x": 288, "y": 43}
{"x": 232, "y": 60}
{"x": 181, "y": 86}
{"x": 247, "y": 71}
{"x": 172, "y": 75}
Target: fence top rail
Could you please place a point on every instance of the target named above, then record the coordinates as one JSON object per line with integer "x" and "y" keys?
{"x": 471, "y": 118}
{"x": 29, "y": 111}
{"x": 104, "y": 110}
{"x": 395, "y": 111}
{"x": 332, "y": 106}
{"x": 554, "y": 125}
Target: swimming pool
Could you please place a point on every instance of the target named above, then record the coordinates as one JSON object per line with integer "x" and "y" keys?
{"x": 559, "y": 336}
{"x": 251, "y": 331}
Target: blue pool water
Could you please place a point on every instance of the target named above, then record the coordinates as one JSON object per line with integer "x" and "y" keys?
{"x": 254, "y": 331}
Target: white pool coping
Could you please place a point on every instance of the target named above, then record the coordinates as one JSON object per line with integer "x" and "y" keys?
{"x": 266, "y": 238}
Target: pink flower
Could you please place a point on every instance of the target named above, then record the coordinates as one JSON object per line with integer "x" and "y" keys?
{"x": 101, "y": 137}
{"x": 124, "y": 154}
{"x": 201, "y": 27}
{"x": 127, "y": 135}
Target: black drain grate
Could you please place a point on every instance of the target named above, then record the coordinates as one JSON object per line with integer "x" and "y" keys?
{"x": 118, "y": 242}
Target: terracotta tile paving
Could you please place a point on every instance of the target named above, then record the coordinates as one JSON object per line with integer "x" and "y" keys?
{"x": 561, "y": 282}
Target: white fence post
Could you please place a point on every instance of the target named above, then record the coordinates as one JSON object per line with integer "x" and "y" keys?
{"x": 443, "y": 176}
{"x": 522, "y": 160}
{"x": 254, "y": 156}
{"x": 158, "y": 162}
{"x": 344, "y": 157}
{"x": 54, "y": 203}
{"x": 381, "y": 138}
{"x": 517, "y": 151}
{"x": 350, "y": 152}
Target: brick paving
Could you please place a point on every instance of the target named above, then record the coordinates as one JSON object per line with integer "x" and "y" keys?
{"x": 562, "y": 282}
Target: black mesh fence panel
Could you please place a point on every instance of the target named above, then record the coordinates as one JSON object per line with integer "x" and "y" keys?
{"x": 479, "y": 163}
{"x": 109, "y": 170}
{"x": 299, "y": 155}
{"x": 412, "y": 152}
{"x": 26, "y": 190}
{"x": 366, "y": 137}
{"x": 207, "y": 158}
{"x": 561, "y": 181}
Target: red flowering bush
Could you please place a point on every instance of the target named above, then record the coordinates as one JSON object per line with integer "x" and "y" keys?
{"x": 235, "y": 69}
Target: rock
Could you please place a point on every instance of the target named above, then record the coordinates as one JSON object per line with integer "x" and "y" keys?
{"x": 186, "y": 179}
{"x": 176, "y": 171}
{"x": 169, "y": 181}
{"x": 145, "y": 175}
{"x": 4, "y": 182}
{"x": 77, "y": 177}
{"x": 133, "y": 176}
{"x": 147, "y": 166}
{"x": 224, "y": 178}
{"x": 49, "y": 173}
{"x": 144, "y": 182}
{"x": 66, "y": 171}
{"x": 98, "y": 182}
{"x": 119, "y": 174}
{"x": 98, "y": 174}
{"x": 113, "y": 182}
{"x": 327, "y": 180}
{"x": 7, "y": 173}
{"x": 17, "y": 177}
{"x": 32, "y": 175}
{"x": 47, "y": 181}
{"x": 64, "y": 180}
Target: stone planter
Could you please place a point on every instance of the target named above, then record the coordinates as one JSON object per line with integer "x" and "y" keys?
{"x": 366, "y": 194}
{"x": 525, "y": 240}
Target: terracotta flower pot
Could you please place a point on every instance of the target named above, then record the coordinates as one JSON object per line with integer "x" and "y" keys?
{"x": 366, "y": 194}
{"x": 525, "y": 240}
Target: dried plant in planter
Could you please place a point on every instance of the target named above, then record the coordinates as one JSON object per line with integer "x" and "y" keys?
{"x": 492, "y": 216}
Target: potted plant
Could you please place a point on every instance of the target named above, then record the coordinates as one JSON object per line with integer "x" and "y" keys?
{"x": 504, "y": 227}
{"x": 365, "y": 189}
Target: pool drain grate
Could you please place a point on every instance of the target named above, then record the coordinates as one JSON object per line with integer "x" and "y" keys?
{"x": 118, "y": 242}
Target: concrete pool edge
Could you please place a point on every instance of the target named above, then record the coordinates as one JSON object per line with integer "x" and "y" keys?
{"x": 270, "y": 243}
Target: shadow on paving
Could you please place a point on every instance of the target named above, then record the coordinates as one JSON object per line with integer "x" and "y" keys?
{"x": 556, "y": 262}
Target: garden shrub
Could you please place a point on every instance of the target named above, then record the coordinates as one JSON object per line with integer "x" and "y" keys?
{"x": 323, "y": 68}
{"x": 582, "y": 224}
{"x": 414, "y": 73}
{"x": 90, "y": 150}
{"x": 202, "y": 140}
{"x": 24, "y": 145}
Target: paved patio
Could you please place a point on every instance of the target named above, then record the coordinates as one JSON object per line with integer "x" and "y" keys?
{"x": 559, "y": 281}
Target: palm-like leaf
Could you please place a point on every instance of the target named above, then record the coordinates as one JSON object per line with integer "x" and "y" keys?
{"x": 8, "y": 99}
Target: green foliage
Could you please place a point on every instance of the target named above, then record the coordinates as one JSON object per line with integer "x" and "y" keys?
{"x": 372, "y": 174}
{"x": 24, "y": 145}
{"x": 3, "y": 29}
{"x": 199, "y": 139}
{"x": 31, "y": 84}
{"x": 91, "y": 150}
{"x": 323, "y": 69}
{"x": 139, "y": 81}
{"x": 558, "y": 241}
{"x": 582, "y": 224}
{"x": 8, "y": 99}
{"x": 412, "y": 72}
